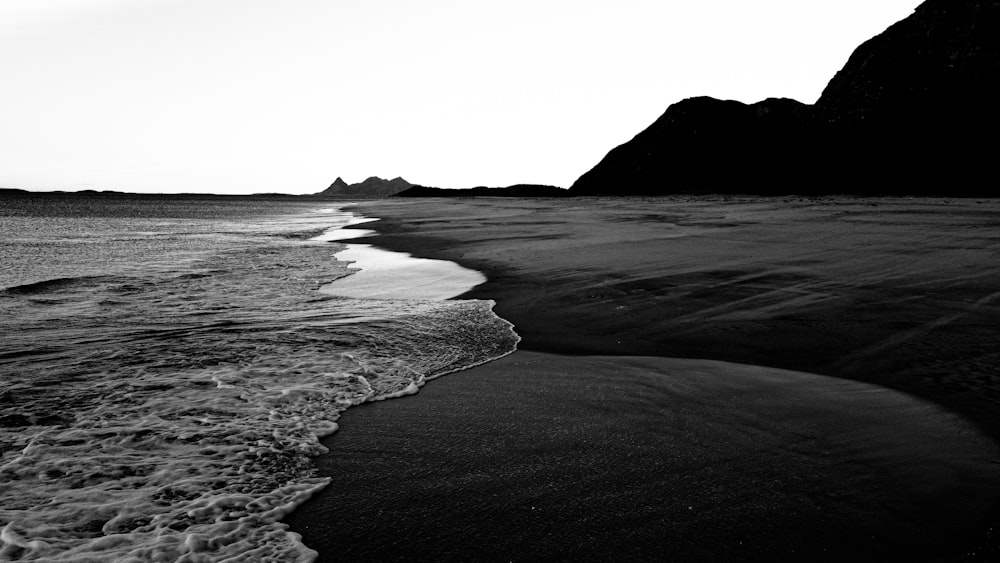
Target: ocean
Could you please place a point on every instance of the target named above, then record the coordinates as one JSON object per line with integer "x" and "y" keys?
{"x": 168, "y": 366}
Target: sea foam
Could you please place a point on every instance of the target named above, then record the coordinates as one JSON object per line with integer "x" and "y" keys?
{"x": 171, "y": 412}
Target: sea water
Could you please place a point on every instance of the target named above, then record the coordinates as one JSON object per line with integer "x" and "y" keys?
{"x": 167, "y": 367}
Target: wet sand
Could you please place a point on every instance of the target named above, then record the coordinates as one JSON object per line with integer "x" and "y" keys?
{"x": 903, "y": 293}
{"x": 898, "y": 293}
{"x": 382, "y": 273}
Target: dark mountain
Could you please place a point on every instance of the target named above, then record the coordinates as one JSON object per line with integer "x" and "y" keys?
{"x": 918, "y": 104}
{"x": 704, "y": 145}
{"x": 338, "y": 186}
{"x": 373, "y": 187}
{"x": 517, "y": 190}
{"x": 914, "y": 111}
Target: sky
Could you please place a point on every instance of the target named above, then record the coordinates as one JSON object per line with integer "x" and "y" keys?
{"x": 251, "y": 96}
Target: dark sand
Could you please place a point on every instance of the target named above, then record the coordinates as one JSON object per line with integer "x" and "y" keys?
{"x": 644, "y": 458}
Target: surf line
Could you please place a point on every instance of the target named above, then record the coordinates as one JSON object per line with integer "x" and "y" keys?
{"x": 387, "y": 274}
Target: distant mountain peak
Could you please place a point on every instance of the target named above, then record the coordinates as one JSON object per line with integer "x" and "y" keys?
{"x": 372, "y": 187}
{"x": 339, "y": 183}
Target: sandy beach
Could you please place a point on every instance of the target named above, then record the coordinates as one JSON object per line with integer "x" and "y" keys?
{"x": 595, "y": 442}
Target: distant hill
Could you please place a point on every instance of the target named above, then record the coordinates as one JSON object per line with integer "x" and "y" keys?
{"x": 112, "y": 194}
{"x": 517, "y": 190}
{"x": 914, "y": 111}
{"x": 373, "y": 187}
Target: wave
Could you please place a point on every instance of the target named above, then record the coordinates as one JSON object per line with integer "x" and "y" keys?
{"x": 50, "y": 285}
{"x": 179, "y": 419}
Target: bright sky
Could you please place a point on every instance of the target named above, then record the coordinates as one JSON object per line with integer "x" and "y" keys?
{"x": 244, "y": 96}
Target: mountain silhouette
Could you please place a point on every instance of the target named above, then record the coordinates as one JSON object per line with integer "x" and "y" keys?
{"x": 914, "y": 111}
{"x": 373, "y": 187}
{"x": 517, "y": 190}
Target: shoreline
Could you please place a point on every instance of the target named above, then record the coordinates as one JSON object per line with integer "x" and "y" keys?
{"x": 838, "y": 338}
{"x": 462, "y": 233}
{"x": 384, "y": 274}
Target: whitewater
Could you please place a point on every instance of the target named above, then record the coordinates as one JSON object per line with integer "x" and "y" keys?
{"x": 168, "y": 366}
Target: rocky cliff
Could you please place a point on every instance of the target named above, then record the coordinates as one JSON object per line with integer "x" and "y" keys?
{"x": 914, "y": 111}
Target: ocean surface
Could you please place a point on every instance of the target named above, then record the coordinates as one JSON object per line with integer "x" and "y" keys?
{"x": 167, "y": 367}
